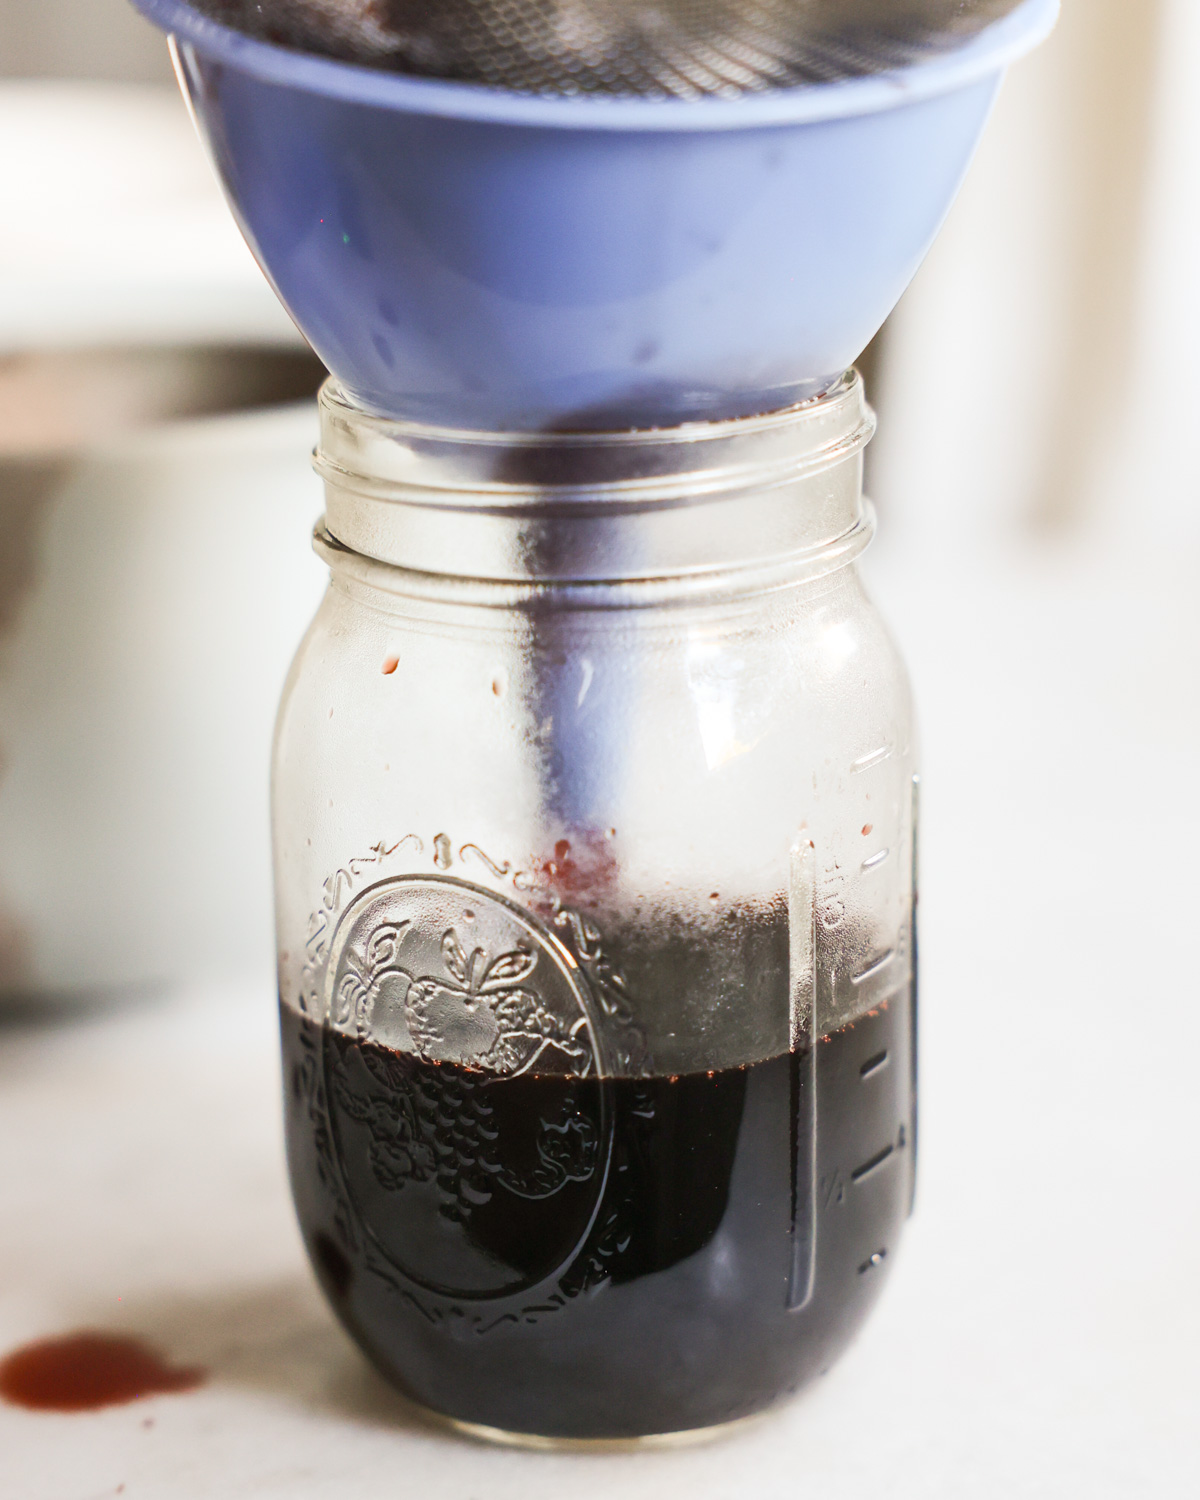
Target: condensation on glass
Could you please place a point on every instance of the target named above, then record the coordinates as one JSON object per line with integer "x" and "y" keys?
{"x": 594, "y": 838}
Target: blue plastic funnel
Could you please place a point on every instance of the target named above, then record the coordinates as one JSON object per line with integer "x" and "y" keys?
{"x": 478, "y": 258}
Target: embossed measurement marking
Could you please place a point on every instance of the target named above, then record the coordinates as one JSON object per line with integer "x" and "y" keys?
{"x": 873, "y": 1064}
{"x": 876, "y": 968}
{"x": 870, "y": 1166}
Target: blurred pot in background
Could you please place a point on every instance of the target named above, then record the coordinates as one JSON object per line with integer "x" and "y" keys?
{"x": 155, "y": 574}
{"x": 155, "y": 417}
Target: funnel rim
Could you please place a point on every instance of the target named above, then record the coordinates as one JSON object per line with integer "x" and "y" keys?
{"x": 986, "y": 55}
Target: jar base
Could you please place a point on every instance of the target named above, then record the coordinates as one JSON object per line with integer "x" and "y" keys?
{"x": 499, "y": 1437}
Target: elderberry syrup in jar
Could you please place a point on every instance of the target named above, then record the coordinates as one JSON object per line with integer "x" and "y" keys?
{"x": 594, "y": 839}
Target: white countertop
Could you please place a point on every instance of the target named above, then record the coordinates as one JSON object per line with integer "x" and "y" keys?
{"x": 1039, "y": 1335}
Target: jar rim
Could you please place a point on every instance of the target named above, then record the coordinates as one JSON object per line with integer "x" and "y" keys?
{"x": 587, "y": 507}
{"x": 463, "y": 468}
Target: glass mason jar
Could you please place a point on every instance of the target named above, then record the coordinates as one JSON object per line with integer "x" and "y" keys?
{"x": 594, "y": 806}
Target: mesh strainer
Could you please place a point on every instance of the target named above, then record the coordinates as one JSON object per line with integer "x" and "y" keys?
{"x": 646, "y": 48}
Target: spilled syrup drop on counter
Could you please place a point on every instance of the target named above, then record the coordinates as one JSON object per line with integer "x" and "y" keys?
{"x": 85, "y": 1371}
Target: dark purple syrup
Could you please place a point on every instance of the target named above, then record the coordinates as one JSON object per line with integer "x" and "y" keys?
{"x": 602, "y": 1258}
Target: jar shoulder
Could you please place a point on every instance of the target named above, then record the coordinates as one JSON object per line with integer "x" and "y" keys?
{"x": 818, "y": 662}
